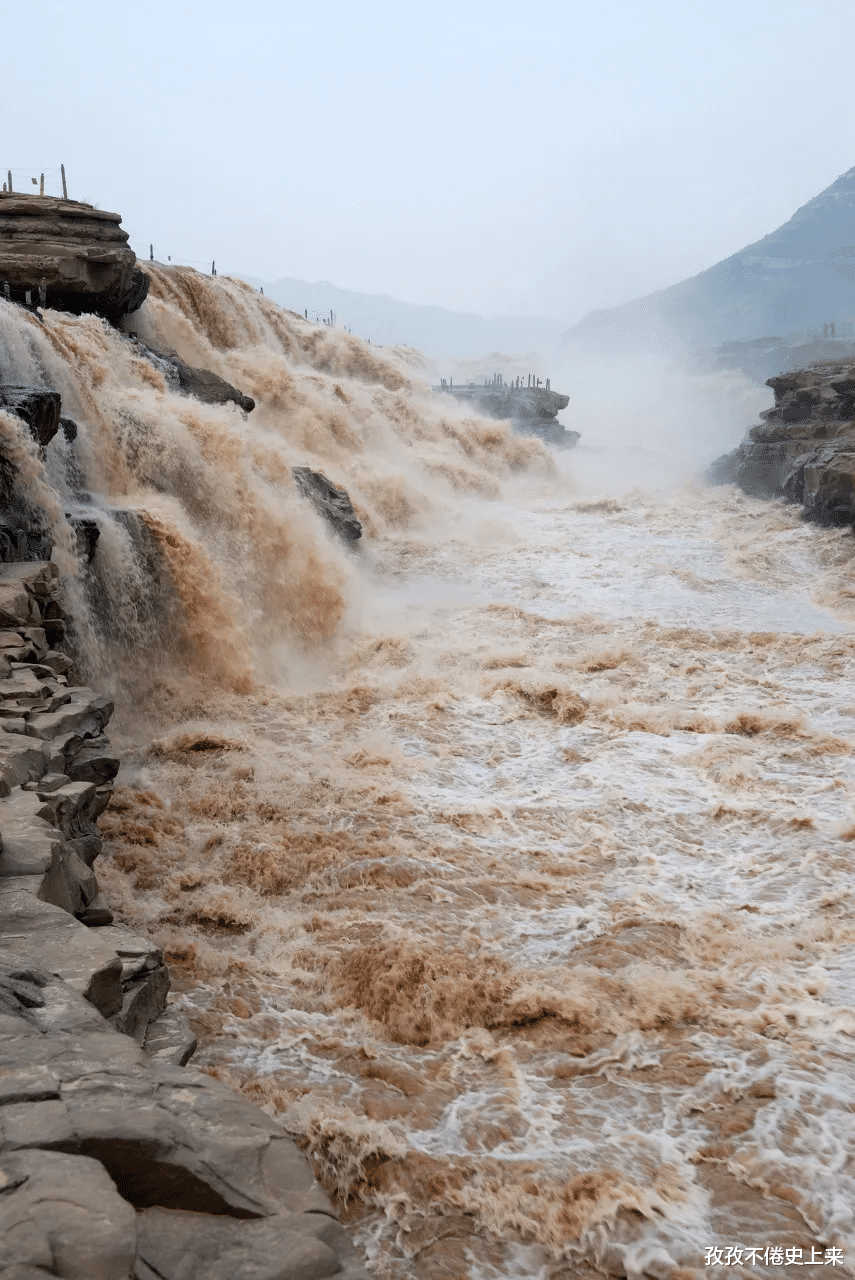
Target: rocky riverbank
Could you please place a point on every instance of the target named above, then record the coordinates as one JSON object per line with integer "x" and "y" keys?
{"x": 116, "y": 1161}
{"x": 804, "y": 449}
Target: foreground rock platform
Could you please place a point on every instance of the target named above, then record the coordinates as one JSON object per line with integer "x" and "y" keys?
{"x": 804, "y": 449}
{"x": 117, "y": 1167}
{"x": 67, "y": 255}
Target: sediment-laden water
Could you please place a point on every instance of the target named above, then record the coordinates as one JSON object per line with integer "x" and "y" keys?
{"x": 507, "y": 859}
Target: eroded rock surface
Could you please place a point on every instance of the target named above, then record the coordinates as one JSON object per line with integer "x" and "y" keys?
{"x": 68, "y": 255}
{"x": 804, "y": 449}
{"x": 204, "y": 384}
{"x": 332, "y": 502}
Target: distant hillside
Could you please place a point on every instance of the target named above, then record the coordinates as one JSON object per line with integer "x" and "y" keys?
{"x": 790, "y": 282}
{"x": 443, "y": 335}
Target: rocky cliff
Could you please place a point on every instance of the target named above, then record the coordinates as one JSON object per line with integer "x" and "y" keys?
{"x": 804, "y": 449}
{"x": 67, "y": 255}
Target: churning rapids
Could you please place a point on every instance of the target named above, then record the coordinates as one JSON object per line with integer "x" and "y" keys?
{"x": 507, "y": 859}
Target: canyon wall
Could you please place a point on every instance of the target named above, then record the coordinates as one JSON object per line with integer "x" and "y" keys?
{"x": 804, "y": 449}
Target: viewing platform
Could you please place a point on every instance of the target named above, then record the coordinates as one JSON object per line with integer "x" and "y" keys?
{"x": 516, "y": 399}
{"x": 531, "y": 406}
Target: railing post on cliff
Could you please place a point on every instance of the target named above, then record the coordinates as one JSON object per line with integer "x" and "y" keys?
{"x": 10, "y": 180}
{"x": 42, "y": 185}
{"x": 64, "y": 187}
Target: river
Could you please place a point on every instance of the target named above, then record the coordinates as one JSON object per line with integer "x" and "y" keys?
{"x": 506, "y": 859}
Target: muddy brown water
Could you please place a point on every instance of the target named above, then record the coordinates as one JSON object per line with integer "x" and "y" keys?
{"x": 507, "y": 861}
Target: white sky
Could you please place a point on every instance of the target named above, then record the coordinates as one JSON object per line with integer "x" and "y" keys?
{"x": 543, "y": 157}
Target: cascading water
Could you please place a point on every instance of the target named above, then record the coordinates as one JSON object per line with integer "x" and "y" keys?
{"x": 505, "y": 859}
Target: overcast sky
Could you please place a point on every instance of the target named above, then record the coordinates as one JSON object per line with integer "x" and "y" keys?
{"x": 544, "y": 157}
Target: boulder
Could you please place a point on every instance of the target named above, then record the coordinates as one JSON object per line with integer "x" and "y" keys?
{"x": 37, "y": 406}
{"x": 68, "y": 255}
{"x": 330, "y": 501}
{"x": 203, "y": 384}
{"x": 145, "y": 981}
{"x": 21, "y": 757}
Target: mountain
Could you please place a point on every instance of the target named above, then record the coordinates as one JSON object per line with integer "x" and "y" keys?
{"x": 441, "y": 334}
{"x": 791, "y": 282}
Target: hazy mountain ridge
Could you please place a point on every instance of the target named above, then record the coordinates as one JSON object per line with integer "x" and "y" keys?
{"x": 442, "y": 334}
{"x": 793, "y": 280}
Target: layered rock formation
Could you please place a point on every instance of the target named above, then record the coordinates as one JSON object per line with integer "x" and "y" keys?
{"x": 67, "y": 255}
{"x": 804, "y": 449}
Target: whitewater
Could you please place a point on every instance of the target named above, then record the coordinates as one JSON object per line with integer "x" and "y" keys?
{"x": 506, "y": 859}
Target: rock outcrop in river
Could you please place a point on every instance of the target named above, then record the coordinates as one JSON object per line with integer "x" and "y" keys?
{"x": 533, "y": 410}
{"x": 804, "y": 449}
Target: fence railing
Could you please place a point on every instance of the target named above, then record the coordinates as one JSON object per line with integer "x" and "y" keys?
{"x": 25, "y": 180}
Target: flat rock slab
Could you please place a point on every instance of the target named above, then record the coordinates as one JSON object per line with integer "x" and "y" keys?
{"x": 168, "y": 1136}
{"x": 183, "y": 1246}
{"x": 170, "y": 1039}
{"x": 20, "y": 757}
{"x": 30, "y": 844}
{"x": 45, "y": 935}
{"x": 61, "y": 1215}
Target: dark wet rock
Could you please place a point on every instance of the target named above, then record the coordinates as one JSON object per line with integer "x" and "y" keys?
{"x": 39, "y": 407}
{"x": 804, "y": 449}
{"x": 332, "y": 502}
{"x": 69, "y": 256}
{"x": 209, "y": 387}
{"x": 551, "y": 432}
{"x": 203, "y": 384}
{"x": 88, "y": 534}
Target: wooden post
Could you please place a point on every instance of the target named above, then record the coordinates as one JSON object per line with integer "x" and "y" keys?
{"x": 43, "y": 293}
{"x": 10, "y": 179}
{"x": 151, "y": 253}
{"x": 64, "y": 187}
{"x": 42, "y": 185}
